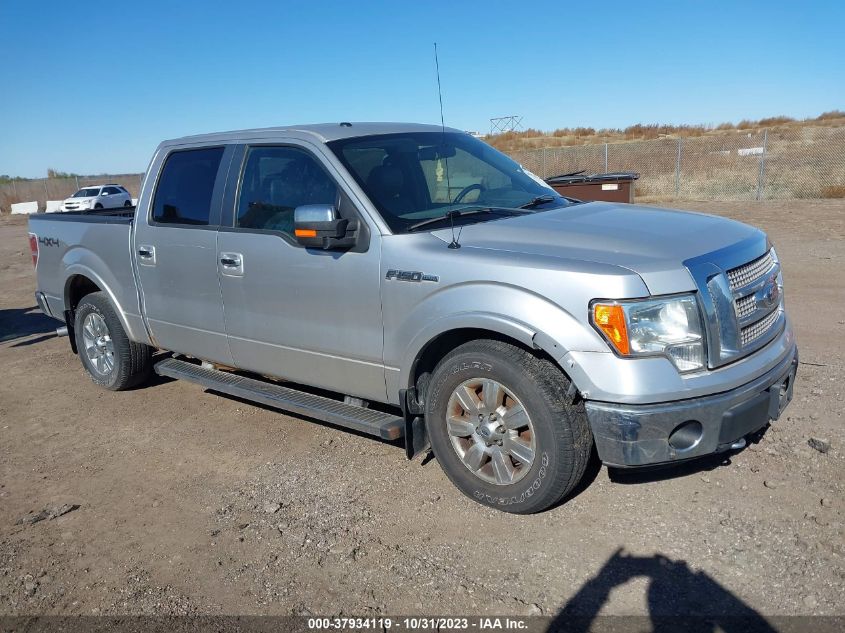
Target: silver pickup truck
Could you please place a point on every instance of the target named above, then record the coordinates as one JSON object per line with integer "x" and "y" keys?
{"x": 412, "y": 282}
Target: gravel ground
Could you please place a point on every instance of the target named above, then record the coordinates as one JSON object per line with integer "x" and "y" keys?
{"x": 194, "y": 503}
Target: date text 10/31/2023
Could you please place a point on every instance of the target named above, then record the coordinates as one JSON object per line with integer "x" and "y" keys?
{"x": 418, "y": 623}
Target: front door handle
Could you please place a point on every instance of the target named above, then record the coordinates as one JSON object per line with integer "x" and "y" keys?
{"x": 147, "y": 254}
{"x": 232, "y": 264}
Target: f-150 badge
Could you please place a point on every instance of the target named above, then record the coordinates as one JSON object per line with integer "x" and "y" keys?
{"x": 410, "y": 275}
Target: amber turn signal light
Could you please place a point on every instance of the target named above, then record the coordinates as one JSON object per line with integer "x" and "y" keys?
{"x": 610, "y": 319}
{"x": 305, "y": 233}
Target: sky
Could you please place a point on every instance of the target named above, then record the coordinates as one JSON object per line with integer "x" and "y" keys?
{"x": 93, "y": 87}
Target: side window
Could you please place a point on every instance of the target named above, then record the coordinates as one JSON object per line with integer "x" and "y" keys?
{"x": 275, "y": 181}
{"x": 183, "y": 194}
{"x": 112, "y": 191}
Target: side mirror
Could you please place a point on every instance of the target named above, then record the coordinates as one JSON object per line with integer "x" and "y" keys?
{"x": 318, "y": 226}
{"x": 104, "y": 193}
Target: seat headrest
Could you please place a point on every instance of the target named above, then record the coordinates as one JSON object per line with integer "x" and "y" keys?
{"x": 386, "y": 180}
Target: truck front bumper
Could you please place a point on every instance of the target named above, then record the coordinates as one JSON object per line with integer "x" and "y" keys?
{"x": 639, "y": 435}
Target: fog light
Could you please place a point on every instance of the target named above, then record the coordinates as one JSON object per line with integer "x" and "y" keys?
{"x": 686, "y": 435}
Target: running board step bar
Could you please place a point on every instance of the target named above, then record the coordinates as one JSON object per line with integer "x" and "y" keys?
{"x": 371, "y": 421}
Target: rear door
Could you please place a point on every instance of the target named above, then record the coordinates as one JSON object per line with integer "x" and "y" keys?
{"x": 308, "y": 315}
{"x": 176, "y": 253}
{"x": 111, "y": 197}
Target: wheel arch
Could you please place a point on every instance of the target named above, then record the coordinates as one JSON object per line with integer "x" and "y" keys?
{"x": 428, "y": 356}
{"x": 80, "y": 282}
{"x": 427, "y": 350}
{"x": 77, "y": 286}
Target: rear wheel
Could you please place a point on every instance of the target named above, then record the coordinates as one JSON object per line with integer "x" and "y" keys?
{"x": 98, "y": 206}
{"x": 503, "y": 428}
{"x": 106, "y": 352}
{"x": 128, "y": 203}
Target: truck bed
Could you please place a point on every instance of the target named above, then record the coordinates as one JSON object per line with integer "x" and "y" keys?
{"x": 123, "y": 215}
{"x": 92, "y": 244}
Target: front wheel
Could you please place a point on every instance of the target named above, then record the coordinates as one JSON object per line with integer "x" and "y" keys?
{"x": 504, "y": 429}
{"x": 110, "y": 358}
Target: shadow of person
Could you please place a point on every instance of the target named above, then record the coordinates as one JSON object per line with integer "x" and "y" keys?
{"x": 18, "y": 323}
{"x": 679, "y": 599}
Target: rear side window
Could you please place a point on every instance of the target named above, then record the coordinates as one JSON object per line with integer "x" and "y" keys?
{"x": 276, "y": 180}
{"x": 183, "y": 194}
{"x": 112, "y": 191}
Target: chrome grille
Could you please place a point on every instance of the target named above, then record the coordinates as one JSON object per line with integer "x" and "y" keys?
{"x": 750, "y": 272}
{"x": 737, "y": 298}
{"x": 745, "y": 306}
{"x": 754, "y": 331}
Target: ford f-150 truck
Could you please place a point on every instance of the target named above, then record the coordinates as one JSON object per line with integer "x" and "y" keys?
{"x": 410, "y": 281}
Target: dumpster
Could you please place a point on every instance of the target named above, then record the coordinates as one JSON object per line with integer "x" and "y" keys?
{"x": 610, "y": 187}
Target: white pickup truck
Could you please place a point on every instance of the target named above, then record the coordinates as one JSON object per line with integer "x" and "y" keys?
{"x": 413, "y": 282}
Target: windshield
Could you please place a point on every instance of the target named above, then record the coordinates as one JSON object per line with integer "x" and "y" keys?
{"x": 411, "y": 177}
{"x": 88, "y": 192}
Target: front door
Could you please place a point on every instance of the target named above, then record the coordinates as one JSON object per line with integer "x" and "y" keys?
{"x": 176, "y": 251}
{"x": 307, "y": 315}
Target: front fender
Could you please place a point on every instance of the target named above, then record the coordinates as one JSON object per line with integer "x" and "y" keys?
{"x": 504, "y": 309}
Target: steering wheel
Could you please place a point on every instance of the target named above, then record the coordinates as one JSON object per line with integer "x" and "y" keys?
{"x": 466, "y": 190}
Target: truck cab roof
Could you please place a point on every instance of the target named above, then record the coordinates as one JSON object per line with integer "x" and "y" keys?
{"x": 320, "y": 132}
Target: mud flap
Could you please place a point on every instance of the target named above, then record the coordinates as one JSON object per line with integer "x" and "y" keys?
{"x": 416, "y": 436}
{"x": 70, "y": 317}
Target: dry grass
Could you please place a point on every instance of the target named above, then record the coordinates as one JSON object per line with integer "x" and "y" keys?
{"x": 570, "y": 137}
{"x": 833, "y": 191}
{"x": 805, "y": 161}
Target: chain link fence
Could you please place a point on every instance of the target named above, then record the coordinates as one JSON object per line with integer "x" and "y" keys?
{"x": 800, "y": 162}
{"x": 43, "y": 189}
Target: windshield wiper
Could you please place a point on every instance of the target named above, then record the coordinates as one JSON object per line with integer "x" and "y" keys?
{"x": 537, "y": 202}
{"x": 451, "y": 215}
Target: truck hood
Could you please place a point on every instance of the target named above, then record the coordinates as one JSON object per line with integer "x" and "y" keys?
{"x": 649, "y": 241}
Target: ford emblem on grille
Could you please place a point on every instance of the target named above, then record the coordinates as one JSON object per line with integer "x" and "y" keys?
{"x": 740, "y": 296}
{"x": 770, "y": 295}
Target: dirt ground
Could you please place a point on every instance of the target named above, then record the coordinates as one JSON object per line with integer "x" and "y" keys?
{"x": 191, "y": 502}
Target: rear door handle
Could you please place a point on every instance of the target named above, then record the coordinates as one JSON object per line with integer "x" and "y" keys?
{"x": 147, "y": 254}
{"x": 232, "y": 263}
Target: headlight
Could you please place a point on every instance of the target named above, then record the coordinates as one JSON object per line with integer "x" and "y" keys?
{"x": 667, "y": 327}
{"x": 779, "y": 277}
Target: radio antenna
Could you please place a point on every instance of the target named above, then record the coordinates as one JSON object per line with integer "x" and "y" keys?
{"x": 439, "y": 91}
{"x": 454, "y": 243}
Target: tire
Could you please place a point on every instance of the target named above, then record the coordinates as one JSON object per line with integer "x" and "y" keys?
{"x": 550, "y": 424}
{"x": 100, "y": 338}
{"x": 98, "y": 206}
{"x": 127, "y": 203}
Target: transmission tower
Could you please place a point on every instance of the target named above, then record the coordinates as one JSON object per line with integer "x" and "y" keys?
{"x": 502, "y": 124}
